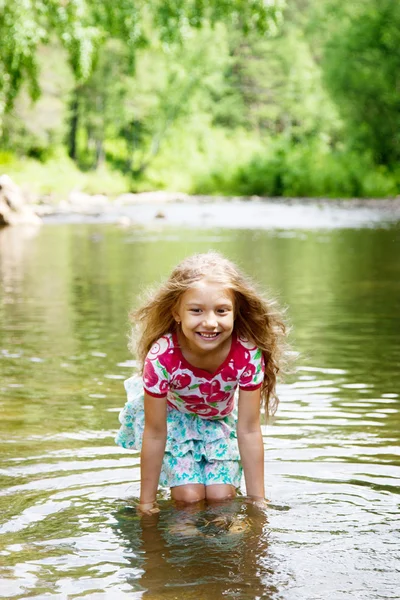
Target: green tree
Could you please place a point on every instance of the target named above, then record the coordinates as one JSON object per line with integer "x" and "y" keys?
{"x": 361, "y": 63}
{"x": 278, "y": 87}
{"x": 135, "y": 113}
{"x": 82, "y": 26}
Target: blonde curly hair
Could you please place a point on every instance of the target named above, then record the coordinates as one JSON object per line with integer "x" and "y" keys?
{"x": 255, "y": 318}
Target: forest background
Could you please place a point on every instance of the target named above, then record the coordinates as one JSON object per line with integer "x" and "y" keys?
{"x": 235, "y": 97}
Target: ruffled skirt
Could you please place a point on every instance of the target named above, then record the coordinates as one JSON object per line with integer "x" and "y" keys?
{"x": 197, "y": 450}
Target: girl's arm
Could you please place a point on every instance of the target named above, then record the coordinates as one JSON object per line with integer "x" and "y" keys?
{"x": 250, "y": 441}
{"x": 153, "y": 447}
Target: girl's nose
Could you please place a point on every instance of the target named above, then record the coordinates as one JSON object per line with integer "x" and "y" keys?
{"x": 210, "y": 320}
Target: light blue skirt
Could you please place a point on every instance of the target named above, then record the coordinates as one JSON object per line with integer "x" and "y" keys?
{"x": 191, "y": 441}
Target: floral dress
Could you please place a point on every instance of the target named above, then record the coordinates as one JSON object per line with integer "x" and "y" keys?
{"x": 201, "y": 442}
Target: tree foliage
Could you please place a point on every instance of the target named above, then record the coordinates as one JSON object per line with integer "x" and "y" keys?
{"x": 359, "y": 52}
{"x": 82, "y": 26}
{"x": 192, "y": 94}
{"x": 139, "y": 111}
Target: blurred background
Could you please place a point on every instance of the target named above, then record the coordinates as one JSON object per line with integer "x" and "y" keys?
{"x": 268, "y": 98}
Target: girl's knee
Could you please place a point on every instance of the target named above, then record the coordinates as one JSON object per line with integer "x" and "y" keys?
{"x": 189, "y": 494}
{"x": 220, "y": 492}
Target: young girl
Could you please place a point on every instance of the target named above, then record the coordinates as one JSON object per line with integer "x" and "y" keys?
{"x": 203, "y": 334}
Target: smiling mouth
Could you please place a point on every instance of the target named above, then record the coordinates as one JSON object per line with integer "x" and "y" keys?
{"x": 207, "y": 336}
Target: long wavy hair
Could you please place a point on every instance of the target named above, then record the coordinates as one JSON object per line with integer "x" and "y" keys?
{"x": 255, "y": 318}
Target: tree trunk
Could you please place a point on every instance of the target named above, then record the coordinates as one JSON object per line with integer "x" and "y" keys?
{"x": 73, "y": 126}
{"x": 99, "y": 153}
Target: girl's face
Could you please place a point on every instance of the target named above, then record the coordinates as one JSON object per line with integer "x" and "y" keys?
{"x": 206, "y": 314}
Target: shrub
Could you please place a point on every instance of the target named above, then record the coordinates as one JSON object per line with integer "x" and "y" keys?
{"x": 310, "y": 170}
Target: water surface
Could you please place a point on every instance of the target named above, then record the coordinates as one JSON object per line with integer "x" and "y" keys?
{"x": 68, "y": 526}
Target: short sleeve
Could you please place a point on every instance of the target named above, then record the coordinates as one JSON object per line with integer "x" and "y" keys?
{"x": 252, "y": 375}
{"x": 155, "y": 375}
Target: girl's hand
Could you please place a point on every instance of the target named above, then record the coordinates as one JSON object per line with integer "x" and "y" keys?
{"x": 257, "y": 501}
{"x": 147, "y": 508}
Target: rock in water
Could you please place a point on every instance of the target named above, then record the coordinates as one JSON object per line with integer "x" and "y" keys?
{"x": 13, "y": 207}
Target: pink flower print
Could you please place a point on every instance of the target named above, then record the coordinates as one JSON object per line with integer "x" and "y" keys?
{"x": 248, "y": 374}
{"x": 241, "y": 358}
{"x": 212, "y": 392}
{"x": 180, "y": 381}
{"x": 159, "y": 347}
{"x": 220, "y": 397}
{"x": 192, "y": 398}
{"x": 229, "y": 373}
{"x": 169, "y": 360}
{"x": 204, "y": 410}
{"x": 183, "y": 466}
{"x": 228, "y": 408}
{"x": 207, "y": 389}
{"x": 163, "y": 386}
{"x": 150, "y": 378}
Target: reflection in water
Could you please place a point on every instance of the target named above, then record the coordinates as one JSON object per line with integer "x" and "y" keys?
{"x": 219, "y": 551}
{"x": 14, "y": 246}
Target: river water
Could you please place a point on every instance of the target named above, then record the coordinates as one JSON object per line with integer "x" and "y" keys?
{"x": 68, "y": 525}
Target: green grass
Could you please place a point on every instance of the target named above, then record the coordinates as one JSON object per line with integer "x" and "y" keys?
{"x": 54, "y": 179}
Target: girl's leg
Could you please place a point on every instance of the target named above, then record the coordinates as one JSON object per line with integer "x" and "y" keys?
{"x": 218, "y": 492}
{"x": 189, "y": 493}
{"x": 221, "y": 477}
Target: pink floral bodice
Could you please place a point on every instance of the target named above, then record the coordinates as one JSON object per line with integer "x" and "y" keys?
{"x": 189, "y": 389}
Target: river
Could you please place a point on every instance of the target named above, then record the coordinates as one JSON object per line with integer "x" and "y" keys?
{"x": 68, "y": 528}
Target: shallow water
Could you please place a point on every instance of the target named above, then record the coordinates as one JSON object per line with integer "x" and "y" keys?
{"x": 68, "y": 526}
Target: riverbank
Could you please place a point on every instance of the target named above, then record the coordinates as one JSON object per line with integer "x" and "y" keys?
{"x": 180, "y": 209}
{"x": 58, "y": 180}
{"x": 176, "y": 209}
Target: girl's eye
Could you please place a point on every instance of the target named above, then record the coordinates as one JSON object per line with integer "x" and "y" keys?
{"x": 195, "y": 310}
